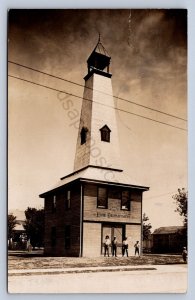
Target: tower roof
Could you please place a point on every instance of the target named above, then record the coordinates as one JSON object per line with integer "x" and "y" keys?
{"x": 99, "y": 58}
{"x": 99, "y": 48}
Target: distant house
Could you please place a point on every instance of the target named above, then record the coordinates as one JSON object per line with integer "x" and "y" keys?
{"x": 20, "y": 220}
{"x": 169, "y": 239}
{"x": 19, "y": 232}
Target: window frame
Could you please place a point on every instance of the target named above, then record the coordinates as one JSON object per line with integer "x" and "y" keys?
{"x": 68, "y": 200}
{"x": 106, "y": 200}
{"x": 128, "y": 208}
{"x": 54, "y": 203}
{"x": 105, "y": 134}
{"x": 83, "y": 135}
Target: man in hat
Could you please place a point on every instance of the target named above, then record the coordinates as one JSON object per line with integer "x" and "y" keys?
{"x": 136, "y": 248}
{"x": 114, "y": 247}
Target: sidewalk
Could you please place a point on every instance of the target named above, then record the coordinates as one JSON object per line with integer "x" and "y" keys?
{"x": 53, "y": 271}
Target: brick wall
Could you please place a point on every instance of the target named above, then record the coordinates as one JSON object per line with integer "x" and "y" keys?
{"x": 59, "y": 219}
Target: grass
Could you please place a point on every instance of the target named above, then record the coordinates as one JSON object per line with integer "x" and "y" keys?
{"x": 18, "y": 260}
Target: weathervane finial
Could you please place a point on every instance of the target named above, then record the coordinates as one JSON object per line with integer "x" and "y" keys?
{"x": 99, "y": 37}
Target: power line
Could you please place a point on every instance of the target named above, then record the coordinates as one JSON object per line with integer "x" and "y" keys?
{"x": 119, "y": 98}
{"x": 119, "y": 109}
{"x": 160, "y": 195}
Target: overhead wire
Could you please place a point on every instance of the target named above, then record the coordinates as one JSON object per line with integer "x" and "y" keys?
{"x": 119, "y": 109}
{"x": 117, "y": 97}
{"x": 160, "y": 195}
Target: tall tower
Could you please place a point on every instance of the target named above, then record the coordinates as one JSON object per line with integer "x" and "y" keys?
{"x": 97, "y": 198}
{"x": 97, "y": 143}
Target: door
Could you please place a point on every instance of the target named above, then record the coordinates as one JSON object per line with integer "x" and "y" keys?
{"x": 117, "y": 230}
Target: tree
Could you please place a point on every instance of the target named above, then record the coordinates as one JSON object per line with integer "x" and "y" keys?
{"x": 181, "y": 199}
{"x": 34, "y": 226}
{"x": 146, "y": 227}
{"x": 11, "y": 225}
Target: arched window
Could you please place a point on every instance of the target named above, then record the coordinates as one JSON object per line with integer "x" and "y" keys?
{"x": 105, "y": 134}
{"x": 84, "y": 131}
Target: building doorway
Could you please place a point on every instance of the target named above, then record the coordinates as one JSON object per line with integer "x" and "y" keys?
{"x": 112, "y": 230}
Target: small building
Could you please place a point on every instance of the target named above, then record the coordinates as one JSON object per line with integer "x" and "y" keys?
{"x": 169, "y": 239}
{"x": 19, "y": 233}
{"x": 97, "y": 198}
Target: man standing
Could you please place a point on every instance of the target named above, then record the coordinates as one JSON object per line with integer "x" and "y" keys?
{"x": 125, "y": 247}
{"x": 184, "y": 254}
{"x": 114, "y": 247}
{"x": 136, "y": 248}
{"x": 106, "y": 245}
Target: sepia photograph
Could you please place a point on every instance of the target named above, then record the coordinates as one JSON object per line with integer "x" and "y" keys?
{"x": 97, "y": 151}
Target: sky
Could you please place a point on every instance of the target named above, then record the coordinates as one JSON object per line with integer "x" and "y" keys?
{"x": 148, "y": 50}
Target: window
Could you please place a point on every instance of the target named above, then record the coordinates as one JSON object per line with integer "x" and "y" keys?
{"x": 84, "y": 131}
{"x": 125, "y": 200}
{"x": 67, "y": 233}
{"x": 53, "y": 236}
{"x": 54, "y": 204}
{"x": 102, "y": 197}
{"x": 67, "y": 200}
{"x": 105, "y": 134}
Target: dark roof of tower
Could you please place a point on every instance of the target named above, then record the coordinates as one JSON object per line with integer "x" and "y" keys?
{"x": 99, "y": 48}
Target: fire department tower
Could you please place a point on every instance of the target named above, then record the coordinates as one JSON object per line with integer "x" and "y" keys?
{"x": 98, "y": 198}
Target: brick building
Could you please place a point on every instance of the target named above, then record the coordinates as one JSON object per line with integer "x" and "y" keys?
{"x": 98, "y": 198}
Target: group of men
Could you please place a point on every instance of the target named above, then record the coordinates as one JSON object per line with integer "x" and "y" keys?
{"x": 108, "y": 243}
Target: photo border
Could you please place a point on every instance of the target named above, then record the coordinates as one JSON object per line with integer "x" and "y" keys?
{"x": 4, "y": 6}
